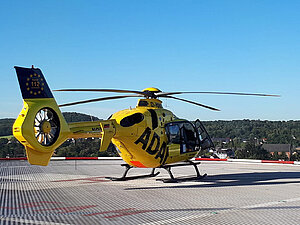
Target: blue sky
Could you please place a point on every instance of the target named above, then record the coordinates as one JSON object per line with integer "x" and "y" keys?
{"x": 235, "y": 46}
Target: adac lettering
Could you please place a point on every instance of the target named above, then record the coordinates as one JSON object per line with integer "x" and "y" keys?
{"x": 154, "y": 148}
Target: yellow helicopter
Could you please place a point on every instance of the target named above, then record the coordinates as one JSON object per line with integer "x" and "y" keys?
{"x": 147, "y": 136}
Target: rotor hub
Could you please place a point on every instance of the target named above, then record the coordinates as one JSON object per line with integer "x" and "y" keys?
{"x": 150, "y": 92}
{"x": 46, "y": 127}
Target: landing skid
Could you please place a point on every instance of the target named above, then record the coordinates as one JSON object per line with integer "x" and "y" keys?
{"x": 128, "y": 167}
{"x": 166, "y": 167}
{"x": 182, "y": 179}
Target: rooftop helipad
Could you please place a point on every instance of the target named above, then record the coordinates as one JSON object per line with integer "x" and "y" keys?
{"x": 76, "y": 192}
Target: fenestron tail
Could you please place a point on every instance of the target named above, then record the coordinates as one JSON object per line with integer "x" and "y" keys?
{"x": 40, "y": 126}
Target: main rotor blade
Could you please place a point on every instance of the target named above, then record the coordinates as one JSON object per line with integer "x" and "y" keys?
{"x": 99, "y": 99}
{"x": 213, "y": 92}
{"x": 195, "y": 103}
{"x": 103, "y": 90}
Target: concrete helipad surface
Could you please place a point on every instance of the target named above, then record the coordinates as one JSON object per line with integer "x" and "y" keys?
{"x": 76, "y": 192}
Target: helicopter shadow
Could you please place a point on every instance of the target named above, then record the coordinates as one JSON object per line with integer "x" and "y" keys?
{"x": 237, "y": 179}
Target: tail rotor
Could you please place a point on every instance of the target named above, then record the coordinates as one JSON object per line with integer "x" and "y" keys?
{"x": 46, "y": 126}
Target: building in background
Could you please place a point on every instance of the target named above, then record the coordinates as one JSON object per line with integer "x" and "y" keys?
{"x": 279, "y": 148}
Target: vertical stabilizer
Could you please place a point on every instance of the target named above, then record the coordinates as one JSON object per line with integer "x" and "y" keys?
{"x": 40, "y": 126}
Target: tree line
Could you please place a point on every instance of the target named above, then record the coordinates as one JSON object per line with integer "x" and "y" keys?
{"x": 245, "y": 137}
{"x": 272, "y": 132}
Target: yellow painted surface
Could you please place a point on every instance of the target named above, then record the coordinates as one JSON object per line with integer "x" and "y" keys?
{"x": 139, "y": 144}
{"x": 23, "y": 130}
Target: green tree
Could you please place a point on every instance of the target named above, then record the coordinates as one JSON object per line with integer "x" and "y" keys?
{"x": 11, "y": 148}
{"x": 251, "y": 151}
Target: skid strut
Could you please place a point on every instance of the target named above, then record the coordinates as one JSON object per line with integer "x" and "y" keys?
{"x": 167, "y": 168}
{"x": 176, "y": 180}
{"x": 128, "y": 167}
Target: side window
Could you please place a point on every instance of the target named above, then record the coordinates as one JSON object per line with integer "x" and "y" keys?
{"x": 189, "y": 134}
{"x": 182, "y": 133}
{"x": 129, "y": 121}
{"x": 174, "y": 134}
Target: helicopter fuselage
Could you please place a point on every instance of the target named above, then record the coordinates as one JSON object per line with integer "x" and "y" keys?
{"x": 141, "y": 137}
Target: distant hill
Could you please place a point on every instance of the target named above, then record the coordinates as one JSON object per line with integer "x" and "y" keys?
{"x": 78, "y": 117}
{"x": 6, "y": 127}
{"x": 275, "y": 132}
{"x": 6, "y": 124}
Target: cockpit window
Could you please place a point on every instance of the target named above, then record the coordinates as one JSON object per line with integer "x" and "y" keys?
{"x": 191, "y": 137}
{"x": 129, "y": 121}
{"x": 174, "y": 134}
{"x": 189, "y": 134}
{"x": 149, "y": 104}
{"x": 143, "y": 103}
{"x": 158, "y": 105}
{"x": 183, "y": 133}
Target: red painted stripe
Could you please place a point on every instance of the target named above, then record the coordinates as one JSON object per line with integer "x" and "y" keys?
{"x": 275, "y": 161}
{"x": 138, "y": 164}
{"x": 20, "y": 158}
{"x": 209, "y": 159}
{"x": 79, "y": 158}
